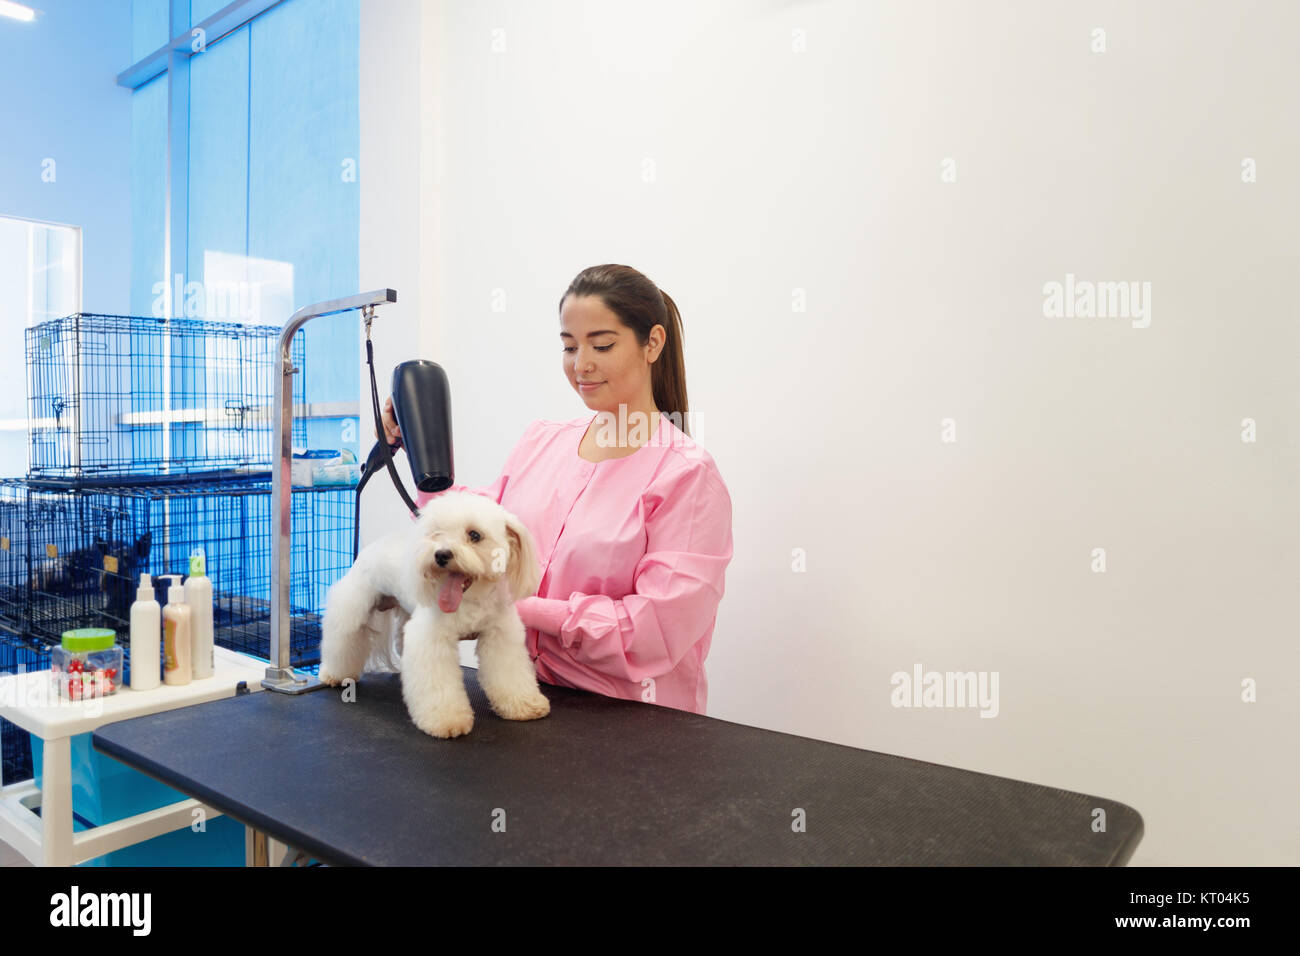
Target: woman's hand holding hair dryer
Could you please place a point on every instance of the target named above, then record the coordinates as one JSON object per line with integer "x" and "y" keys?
{"x": 391, "y": 432}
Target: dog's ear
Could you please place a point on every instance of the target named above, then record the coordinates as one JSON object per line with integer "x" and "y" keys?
{"x": 523, "y": 573}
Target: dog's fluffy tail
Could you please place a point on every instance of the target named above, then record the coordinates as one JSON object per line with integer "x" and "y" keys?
{"x": 386, "y": 649}
{"x": 355, "y": 636}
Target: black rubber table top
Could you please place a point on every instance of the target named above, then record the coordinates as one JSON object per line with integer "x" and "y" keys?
{"x": 597, "y": 781}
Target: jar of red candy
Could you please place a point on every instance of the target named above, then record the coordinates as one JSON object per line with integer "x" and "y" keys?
{"x": 87, "y": 664}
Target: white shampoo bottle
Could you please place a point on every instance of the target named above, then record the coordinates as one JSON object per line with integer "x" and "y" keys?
{"x": 146, "y": 638}
{"x": 198, "y": 595}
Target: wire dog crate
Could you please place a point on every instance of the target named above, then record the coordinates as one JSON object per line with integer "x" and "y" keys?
{"x": 13, "y": 550}
{"x": 118, "y": 395}
{"x": 72, "y": 558}
{"x": 232, "y": 522}
{"x": 18, "y": 657}
{"x": 76, "y": 556}
{"x": 149, "y": 438}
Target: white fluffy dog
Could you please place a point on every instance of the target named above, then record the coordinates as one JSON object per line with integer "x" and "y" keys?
{"x": 457, "y": 571}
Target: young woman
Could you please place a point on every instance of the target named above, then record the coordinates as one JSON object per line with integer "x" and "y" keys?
{"x": 631, "y": 517}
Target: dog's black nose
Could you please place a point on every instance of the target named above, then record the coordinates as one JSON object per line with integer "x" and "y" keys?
{"x": 442, "y": 557}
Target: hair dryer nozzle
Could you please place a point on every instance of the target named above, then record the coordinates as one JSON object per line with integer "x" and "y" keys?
{"x": 422, "y": 405}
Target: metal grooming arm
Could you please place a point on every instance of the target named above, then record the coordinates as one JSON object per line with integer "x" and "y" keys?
{"x": 280, "y": 676}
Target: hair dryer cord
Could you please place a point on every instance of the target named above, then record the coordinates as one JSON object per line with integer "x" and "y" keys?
{"x": 381, "y": 452}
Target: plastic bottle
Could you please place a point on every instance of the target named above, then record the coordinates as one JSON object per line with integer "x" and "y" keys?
{"x": 198, "y": 595}
{"x": 178, "y": 646}
{"x": 146, "y": 637}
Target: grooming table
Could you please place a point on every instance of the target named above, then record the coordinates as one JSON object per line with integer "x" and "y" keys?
{"x": 598, "y": 781}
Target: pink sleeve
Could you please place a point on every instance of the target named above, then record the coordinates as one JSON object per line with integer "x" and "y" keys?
{"x": 495, "y": 491}
{"x": 679, "y": 584}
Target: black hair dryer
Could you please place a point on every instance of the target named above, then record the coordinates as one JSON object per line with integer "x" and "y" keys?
{"x": 422, "y": 405}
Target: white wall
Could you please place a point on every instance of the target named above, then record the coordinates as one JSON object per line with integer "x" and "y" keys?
{"x": 778, "y": 170}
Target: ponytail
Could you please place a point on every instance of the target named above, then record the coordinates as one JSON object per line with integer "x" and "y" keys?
{"x": 641, "y": 305}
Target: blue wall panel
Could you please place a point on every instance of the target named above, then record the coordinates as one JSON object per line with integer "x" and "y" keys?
{"x": 148, "y": 27}
{"x": 218, "y": 196}
{"x": 274, "y": 140}
{"x": 303, "y": 207}
{"x": 200, "y": 10}
{"x": 148, "y": 192}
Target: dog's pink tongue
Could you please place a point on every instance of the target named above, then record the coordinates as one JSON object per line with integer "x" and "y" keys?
{"x": 450, "y": 593}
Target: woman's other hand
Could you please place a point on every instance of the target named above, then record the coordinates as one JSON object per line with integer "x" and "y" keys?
{"x": 392, "y": 433}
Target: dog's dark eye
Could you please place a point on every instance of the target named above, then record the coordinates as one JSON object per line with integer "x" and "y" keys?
{"x": 475, "y": 537}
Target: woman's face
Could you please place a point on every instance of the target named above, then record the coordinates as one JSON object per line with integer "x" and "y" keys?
{"x": 599, "y": 349}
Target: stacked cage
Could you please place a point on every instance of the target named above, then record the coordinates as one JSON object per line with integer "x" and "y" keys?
{"x": 17, "y": 657}
{"x": 19, "y": 652}
{"x": 231, "y": 521}
{"x": 150, "y": 438}
{"x": 118, "y": 395}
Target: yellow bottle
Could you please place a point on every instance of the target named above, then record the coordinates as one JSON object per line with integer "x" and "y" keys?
{"x": 178, "y": 648}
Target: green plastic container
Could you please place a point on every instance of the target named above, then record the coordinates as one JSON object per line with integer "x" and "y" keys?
{"x": 87, "y": 663}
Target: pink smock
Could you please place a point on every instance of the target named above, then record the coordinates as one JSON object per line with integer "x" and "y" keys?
{"x": 632, "y": 554}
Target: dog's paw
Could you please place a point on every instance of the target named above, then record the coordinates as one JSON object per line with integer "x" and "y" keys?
{"x": 446, "y": 723}
{"x": 328, "y": 677}
{"x": 525, "y": 707}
